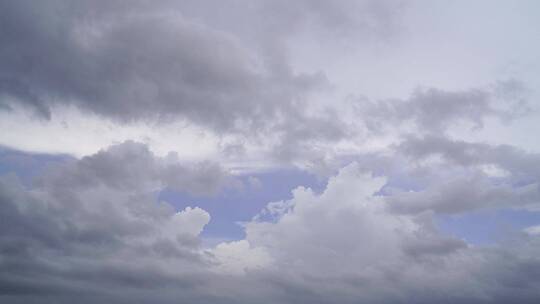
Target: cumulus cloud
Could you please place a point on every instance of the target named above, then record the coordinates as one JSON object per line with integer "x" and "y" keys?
{"x": 95, "y": 227}
{"x": 105, "y": 199}
{"x": 131, "y": 166}
{"x": 344, "y": 245}
{"x": 346, "y": 225}
{"x": 103, "y": 206}
{"x": 112, "y": 241}
{"x": 253, "y": 85}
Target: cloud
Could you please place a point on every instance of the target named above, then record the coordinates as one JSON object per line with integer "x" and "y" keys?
{"x": 519, "y": 163}
{"x": 230, "y": 73}
{"x": 132, "y": 166}
{"x": 455, "y": 176}
{"x": 143, "y": 62}
{"x": 237, "y": 257}
{"x": 138, "y": 62}
{"x": 109, "y": 240}
{"x": 345, "y": 246}
{"x": 94, "y": 227}
{"x": 251, "y": 86}
{"x": 533, "y": 230}
{"x": 102, "y": 206}
{"x": 433, "y": 110}
{"x": 345, "y": 225}
{"x": 466, "y": 193}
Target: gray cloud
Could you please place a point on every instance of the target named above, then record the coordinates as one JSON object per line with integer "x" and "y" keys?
{"x": 95, "y": 237}
{"x": 133, "y": 61}
{"x": 225, "y": 67}
{"x": 343, "y": 246}
{"x": 517, "y": 162}
{"x": 93, "y": 229}
{"x": 433, "y": 110}
{"x": 466, "y": 193}
{"x": 90, "y": 224}
{"x": 132, "y": 165}
{"x": 455, "y": 176}
{"x": 139, "y": 61}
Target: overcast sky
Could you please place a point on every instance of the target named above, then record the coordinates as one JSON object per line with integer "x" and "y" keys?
{"x": 307, "y": 151}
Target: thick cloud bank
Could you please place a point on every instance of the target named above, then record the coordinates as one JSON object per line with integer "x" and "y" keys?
{"x": 92, "y": 231}
{"x": 138, "y": 61}
{"x": 320, "y": 151}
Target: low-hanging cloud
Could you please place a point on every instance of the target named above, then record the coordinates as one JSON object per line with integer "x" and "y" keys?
{"x": 263, "y": 94}
{"x": 434, "y": 111}
{"x": 113, "y": 242}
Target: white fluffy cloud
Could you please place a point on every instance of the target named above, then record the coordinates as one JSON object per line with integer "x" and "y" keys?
{"x": 345, "y": 243}
{"x": 347, "y": 229}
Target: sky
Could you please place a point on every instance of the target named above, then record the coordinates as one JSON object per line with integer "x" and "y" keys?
{"x": 309, "y": 151}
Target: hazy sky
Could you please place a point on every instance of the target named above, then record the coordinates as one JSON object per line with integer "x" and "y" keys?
{"x": 269, "y": 151}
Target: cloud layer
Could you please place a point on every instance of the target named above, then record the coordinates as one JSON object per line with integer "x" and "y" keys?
{"x": 388, "y": 121}
{"x": 113, "y": 241}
